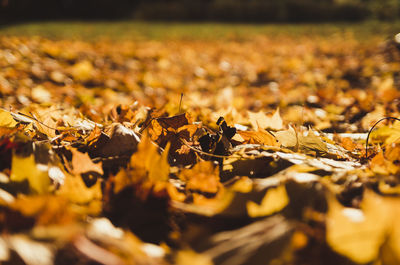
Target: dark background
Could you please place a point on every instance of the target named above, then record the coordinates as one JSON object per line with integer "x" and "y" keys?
{"x": 13, "y": 11}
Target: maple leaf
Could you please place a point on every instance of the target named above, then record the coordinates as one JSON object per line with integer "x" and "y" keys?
{"x": 81, "y": 163}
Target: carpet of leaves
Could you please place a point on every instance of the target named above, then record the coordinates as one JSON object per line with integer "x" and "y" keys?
{"x": 199, "y": 152}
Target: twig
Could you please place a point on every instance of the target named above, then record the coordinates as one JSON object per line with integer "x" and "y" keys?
{"x": 180, "y": 103}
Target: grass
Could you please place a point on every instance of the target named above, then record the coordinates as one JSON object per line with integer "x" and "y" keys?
{"x": 160, "y": 31}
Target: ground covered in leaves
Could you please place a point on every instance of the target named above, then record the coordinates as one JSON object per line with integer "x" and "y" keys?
{"x": 199, "y": 152}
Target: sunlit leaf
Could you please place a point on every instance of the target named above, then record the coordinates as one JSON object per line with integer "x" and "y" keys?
{"x": 76, "y": 191}
{"x": 275, "y": 199}
{"x": 358, "y": 233}
{"x": 25, "y": 168}
{"x": 6, "y": 119}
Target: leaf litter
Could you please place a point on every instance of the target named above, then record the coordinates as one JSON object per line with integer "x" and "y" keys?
{"x": 190, "y": 152}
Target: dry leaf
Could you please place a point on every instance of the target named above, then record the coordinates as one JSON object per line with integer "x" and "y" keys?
{"x": 202, "y": 177}
{"x": 262, "y": 121}
{"x": 6, "y": 119}
{"x": 75, "y": 190}
{"x": 259, "y": 137}
{"x": 358, "y": 233}
{"x": 81, "y": 163}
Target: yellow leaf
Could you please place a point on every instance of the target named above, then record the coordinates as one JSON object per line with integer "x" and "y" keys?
{"x": 380, "y": 165}
{"x": 158, "y": 166}
{"x": 76, "y": 191}
{"x": 148, "y": 163}
{"x": 358, "y": 233}
{"x": 46, "y": 209}
{"x": 274, "y": 200}
{"x": 287, "y": 138}
{"x": 261, "y": 120}
{"x": 390, "y": 134}
{"x": 25, "y": 168}
{"x": 6, "y": 119}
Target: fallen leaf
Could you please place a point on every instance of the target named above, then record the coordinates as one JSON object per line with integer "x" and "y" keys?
{"x": 312, "y": 143}
{"x": 262, "y": 121}
{"x": 81, "y": 163}
{"x": 25, "y": 168}
{"x": 75, "y": 190}
{"x": 148, "y": 163}
{"x": 6, "y": 119}
{"x": 275, "y": 200}
{"x": 203, "y": 177}
{"x": 288, "y": 138}
{"x": 259, "y": 137}
{"x": 357, "y": 233}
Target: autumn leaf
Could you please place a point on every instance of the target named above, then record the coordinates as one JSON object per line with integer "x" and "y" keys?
{"x": 259, "y": 137}
{"x": 262, "y": 121}
{"x": 203, "y": 177}
{"x": 288, "y": 138}
{"x": 358, "y": 233}
{"x": 25, "y": 168}
{"x": 75, "y": 190}
{"x": 275, "y": 199}
{"x": 102, "y": 163}
{"x": 81, "y": 163}
{"x": 6, "y": 119}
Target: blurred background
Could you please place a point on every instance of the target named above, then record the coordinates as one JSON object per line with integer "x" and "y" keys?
{"x": 15, "y": 11}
